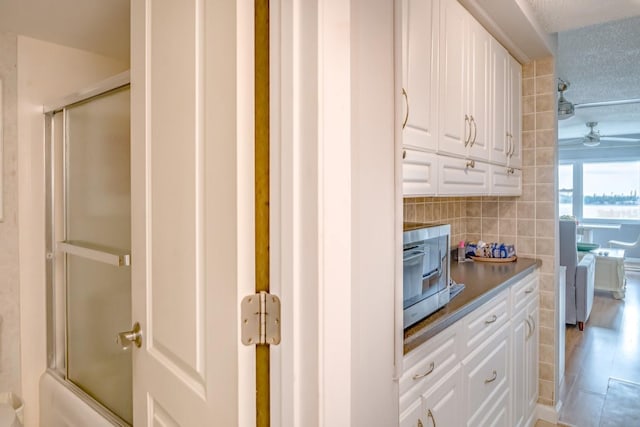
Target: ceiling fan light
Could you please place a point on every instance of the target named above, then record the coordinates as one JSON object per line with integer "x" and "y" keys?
{"x": 565, "y": 108}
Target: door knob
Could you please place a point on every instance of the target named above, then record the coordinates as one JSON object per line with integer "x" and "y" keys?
{"x": 134, "y": 336}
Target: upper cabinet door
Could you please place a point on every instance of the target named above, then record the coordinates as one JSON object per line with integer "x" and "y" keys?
{"x": 420, "y": 68}
{"x": 478, "y": 90}
{"x": 454, "y": 120}
{"x": 501, "y": 145}
{"x": 515, "y": 117}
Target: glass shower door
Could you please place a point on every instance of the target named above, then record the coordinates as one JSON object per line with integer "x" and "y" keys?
{"x": 96, "y": 245}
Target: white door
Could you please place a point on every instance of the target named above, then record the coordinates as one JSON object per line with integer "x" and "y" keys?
{"x": 189, "y": 227}
{"x": 501, "y": 102}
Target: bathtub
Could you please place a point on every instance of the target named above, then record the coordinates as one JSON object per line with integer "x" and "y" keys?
{"x": 60, "y": 406}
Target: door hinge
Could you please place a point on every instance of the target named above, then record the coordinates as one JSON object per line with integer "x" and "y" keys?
{"x": 260, "y": 314}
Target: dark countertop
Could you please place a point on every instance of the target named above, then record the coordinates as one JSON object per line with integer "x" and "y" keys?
{"x": 483, "y": 281}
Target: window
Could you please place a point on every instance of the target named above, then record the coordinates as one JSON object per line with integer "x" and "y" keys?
{"x": 600, "y": 191}
{"x": 610, "y": 190}
{"x": 565, "y": 189}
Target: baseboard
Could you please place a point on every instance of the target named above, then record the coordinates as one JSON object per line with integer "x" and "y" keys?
{"x": 550, "y": 414}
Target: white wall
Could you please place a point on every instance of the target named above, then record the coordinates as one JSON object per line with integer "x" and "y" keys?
{"x": 9, "y": 280}
{"x": 46, "y": 73}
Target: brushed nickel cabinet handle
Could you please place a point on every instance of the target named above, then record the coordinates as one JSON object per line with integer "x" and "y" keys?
{"x": 404, "y": 154}
{"x": 430, "y": 415}
{"x": 471, "y": 164}
{"x": 432, "y": 366}
{"x": 492, "y": 379}
{"x": 467, "y": 138}
{"x": 406, "y": 101}
{"x": 492, "y": 320}
{"x": 528, "y": 291}
{"x": 420, "y": 423}
{"x": 475, "y": 130}
{"x": 533, "y": 322}
{"x": 529, "y": 328}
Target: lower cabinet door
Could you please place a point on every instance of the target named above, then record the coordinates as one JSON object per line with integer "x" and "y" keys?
{"x": 498, "y": 415}
{"x": 532, "y": 356}
{"x": 520, "y": 334}
{"x": 441, "y": 403}
{"x": 412, "y": 416}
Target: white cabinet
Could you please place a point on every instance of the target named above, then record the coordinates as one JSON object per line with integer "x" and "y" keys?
{"x": 419, "y": 173}
{"x": 462, "y": 176}
{"x": 464, "y": 128}
{"x": 441, "y": 403}
{"x": 506, "y": 181}
{"x": 480, "y": 371}
{"x": 419, "y": 73}
{"x": 506, "y": 76}
{"x": 525, "y": 352}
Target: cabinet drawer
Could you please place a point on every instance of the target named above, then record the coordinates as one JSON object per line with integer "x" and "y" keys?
{"x": 486, "y": 374}
{"x": 462, "y": 177}
{"x": 485, "y": 321}
{"x": 428, "y": 363}
{"x": 506, "y": 181}
{"x": 419, "y": 171}
{"x": 523, "y": 292}
{"x": 411, "y": 416}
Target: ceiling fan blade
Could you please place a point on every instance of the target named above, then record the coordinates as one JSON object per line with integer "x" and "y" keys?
{"x": 618, "y": 139}
{"x": 571, "y": 141}
{"x": 607, "y": 103}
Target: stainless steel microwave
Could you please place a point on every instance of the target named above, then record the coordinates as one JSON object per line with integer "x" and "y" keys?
{"x": 426, "y": 254}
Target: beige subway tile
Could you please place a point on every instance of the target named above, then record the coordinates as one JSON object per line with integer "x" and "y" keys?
{"x": 528, "y": 70}
{"x": 528, "y": 193}
{"x": 428, "y": 211}
{"x": 545, "y": 210}
{"x": 528, "y": 175}
{"x": 490, "y": 237}
{"x": 490, "y": 209}
{"x": 526, "y": 210}
{"x": 526, "y": 227}
{"x": 546, "y": 120}
{"x": 528, "y": 86}
{"x": 547, "y": 318}
{"x": 474, "y": 226}
{"x": 547, "y": 302}
{"x": 474, "y": 209}
{"x": 545, "y": 246}
{"x": 528, "y": 122}
{"x": 545, "y": 228}
{"x": 546, "y": 371}
{"x": 545, "y": 157}
{"x": 526, "y": 246}
{"x": 544, "y": 103}
{"x": 545, "y": 174}
{"x": 489, "y": 226}
{"x": 545, "y": 392}
{"x": 546, "y": 336}
{"x": 420, "y": 212}
{"x": 545, "y": 85}
{"x": 507, "y": 209}
{"x": 473, "y": 237}
{"x": 410, "y": 212}
{"x": 546, "y": 353}
{"x": 548, "y": 264}
{"x": 529, "y": 139}
{"x": 547, "y": 283}
{"x": 528, "y": 157}
{"x": 456, "y": 209}
{"x": 507, "y": 227}
{"x": 546, "y": 193}
{"x": 544, "y": 67}
{"x": 528, "y": 104}
{"x": 545, "y": 138}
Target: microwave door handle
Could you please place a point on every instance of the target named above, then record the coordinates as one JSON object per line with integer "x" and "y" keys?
{"x": 413, "y": 255}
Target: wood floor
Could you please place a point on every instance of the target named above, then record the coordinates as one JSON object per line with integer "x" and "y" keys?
{"x": 608, "y": 347}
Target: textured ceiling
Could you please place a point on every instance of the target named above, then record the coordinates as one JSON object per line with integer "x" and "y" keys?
{"x": 602, "y": 63}
{"x": 562, "y": 15}
{"x": 100, "y": 26}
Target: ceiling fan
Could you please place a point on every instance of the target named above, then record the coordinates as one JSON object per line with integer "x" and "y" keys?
{"x": 593, "y": 137}
{"x": 566, "y": 108}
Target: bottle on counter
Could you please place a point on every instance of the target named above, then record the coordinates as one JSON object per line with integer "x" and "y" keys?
{"x": 461, "y": 251}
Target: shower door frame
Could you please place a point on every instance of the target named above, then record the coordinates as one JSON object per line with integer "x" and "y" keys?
{"x": 55, "y": 303}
